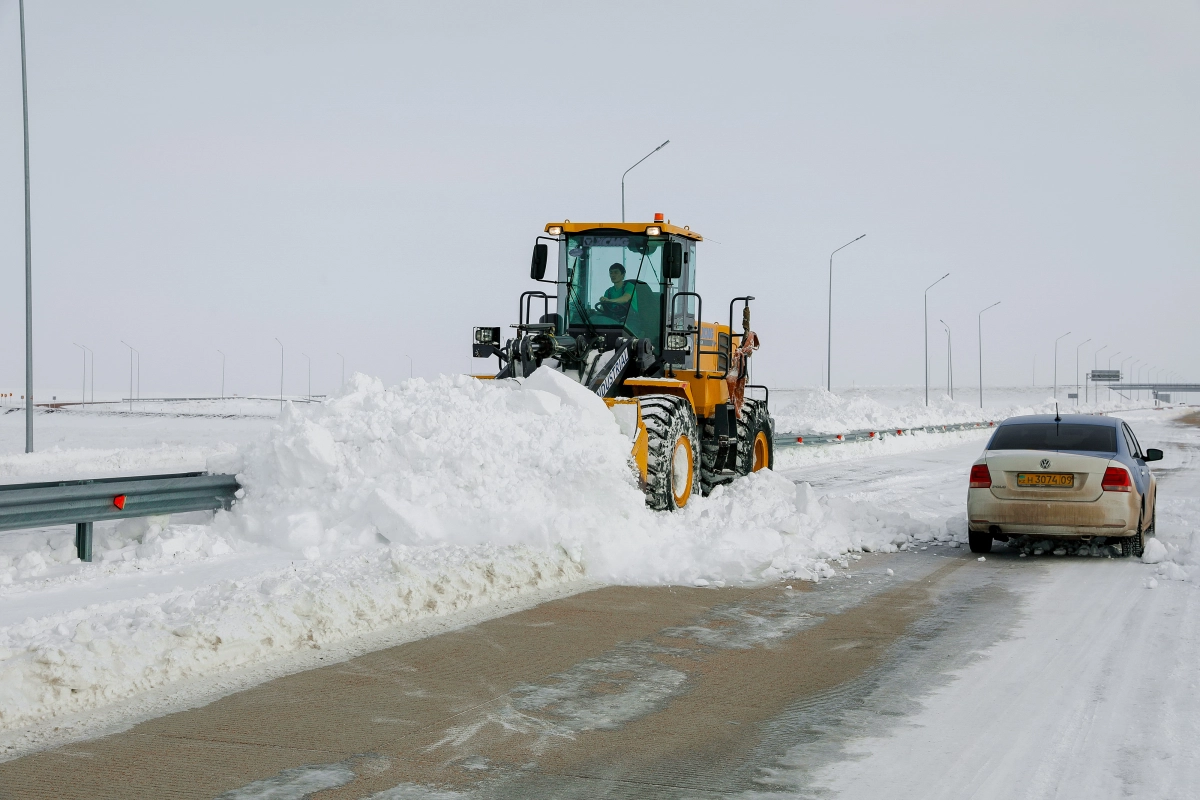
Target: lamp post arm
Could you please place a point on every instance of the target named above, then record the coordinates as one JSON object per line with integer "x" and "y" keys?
{"x": 829, "y": 319}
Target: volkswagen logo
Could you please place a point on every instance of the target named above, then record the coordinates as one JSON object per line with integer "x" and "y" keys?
{"x": 1045, "y": 463}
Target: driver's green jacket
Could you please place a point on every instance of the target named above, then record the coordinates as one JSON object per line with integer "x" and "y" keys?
{"x": 617, "y": 292}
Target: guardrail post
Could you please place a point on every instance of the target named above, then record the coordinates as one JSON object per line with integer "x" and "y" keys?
{"x": 83, "y": 540}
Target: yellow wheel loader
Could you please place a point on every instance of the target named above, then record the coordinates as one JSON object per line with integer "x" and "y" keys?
{"x": 628, "y": 324}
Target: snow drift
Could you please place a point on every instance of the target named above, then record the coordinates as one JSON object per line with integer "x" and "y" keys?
{"x": 541, "y": 463}
{"x": 387, "y": 505}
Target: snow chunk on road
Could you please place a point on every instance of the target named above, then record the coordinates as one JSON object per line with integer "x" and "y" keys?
{"x": 1154, "y": 551}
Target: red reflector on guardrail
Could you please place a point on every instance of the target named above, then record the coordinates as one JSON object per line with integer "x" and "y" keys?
{"x": 799, "y": 440}
{"x": 839, "y": 437}
{"x": 119, "y": 501}
{"x": 872, "y": 434}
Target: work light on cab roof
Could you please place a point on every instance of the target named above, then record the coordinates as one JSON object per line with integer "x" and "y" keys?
{"x": 624, "y": 319}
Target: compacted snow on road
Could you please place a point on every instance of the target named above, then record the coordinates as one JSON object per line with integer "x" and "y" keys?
{"x": 383, "y": 507}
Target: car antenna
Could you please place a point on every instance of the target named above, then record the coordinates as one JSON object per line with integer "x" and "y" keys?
{"x": 1057, "y": 416}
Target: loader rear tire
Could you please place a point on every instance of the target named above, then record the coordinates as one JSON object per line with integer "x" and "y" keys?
{"x": 673, "y": 451}
{"x": 756, "y": 438}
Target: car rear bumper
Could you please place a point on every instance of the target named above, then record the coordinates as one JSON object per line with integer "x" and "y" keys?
{"x": 1113, "y": 514}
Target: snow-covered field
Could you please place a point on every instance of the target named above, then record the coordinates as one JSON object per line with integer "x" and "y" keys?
{"x": 387, "y": 506}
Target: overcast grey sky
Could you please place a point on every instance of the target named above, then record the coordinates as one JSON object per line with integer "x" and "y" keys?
{"x": 368, "y": 178}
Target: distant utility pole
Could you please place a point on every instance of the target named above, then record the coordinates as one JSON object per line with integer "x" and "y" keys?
{"x": 83, "y": 388}
{"x": 1081, "y": 344}
{"x": 626, "y": 172}
{"x": 927, "y": 288}
{"x": 829, "y": 334}
{"x": 309, "y": 376}
{"x": 28, "y": 250}
{"x": 343, "y": 358}
{"x": 1056, "y": 341}
{"x": 92, "y": 358}
{"x": 980, "y": 334}
{"x": 222, "y": 375}
{"x": 949, "y": 362}
{"x": 280, "y": 375}
{"x": 406, "y": 355}
{"x": 131, "y": 352}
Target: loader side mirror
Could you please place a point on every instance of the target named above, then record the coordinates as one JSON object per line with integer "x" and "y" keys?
{"x": 537, "y": 269}
{"x": 673, "y": 260}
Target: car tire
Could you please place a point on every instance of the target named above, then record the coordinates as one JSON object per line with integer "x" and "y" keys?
{"x": 1135, "y": 545}
{"x": 981, "y": 542}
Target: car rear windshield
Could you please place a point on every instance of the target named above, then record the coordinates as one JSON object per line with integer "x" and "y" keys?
{"x": 1055, "y": 436}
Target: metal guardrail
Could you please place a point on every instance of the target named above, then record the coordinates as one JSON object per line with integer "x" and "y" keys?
{"x": 866, "y": 435}
{"x": 82, "y": 503}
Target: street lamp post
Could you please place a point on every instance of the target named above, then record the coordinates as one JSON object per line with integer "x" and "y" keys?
{"x": 1127, "y": 358}
{"x": 829, "y": 335}
{"x": 1133, "y": 376}
{"x": 949, "y": 362}
{"x": 1109, "y": 366}
{"x": 1081, "y": 344}
{"x": 1056, "y": 341}
{"x": 1095, "y": 366}
{"x": 406, "y": 355}
{"x": 927, "y": 288}
{"x": 222, "y": 374}
{"x": 626, "y": 172}
{"x": 309, "y": 376}
{"x": 280, "y": 374}
{"x": 979, "y": 332}
{"x": 343, "y": 358}
{"x": 28, "y": 250}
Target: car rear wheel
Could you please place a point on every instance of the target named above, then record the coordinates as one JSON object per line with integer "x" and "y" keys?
{"x": 1135, "y": 545}
{"x": 980, "y": 542}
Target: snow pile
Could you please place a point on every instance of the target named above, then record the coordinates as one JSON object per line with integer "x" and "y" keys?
{"x": 130, "y": 546}
{"x": 541, "y": 463}
{"x": 821, "y": 411}
{"x": 93, "y": 656}
{"x": 393, "y": 505}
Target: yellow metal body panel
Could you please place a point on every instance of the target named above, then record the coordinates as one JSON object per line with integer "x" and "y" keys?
{"x": 707, "y": 392}
{"x": 484, "y": 377}
{"x": 641, "y": 441}
{"x": 631, "y": 227}
{"x": 641, "y": 386}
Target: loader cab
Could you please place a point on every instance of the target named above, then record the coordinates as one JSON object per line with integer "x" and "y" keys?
{"x": 602, "y": 264}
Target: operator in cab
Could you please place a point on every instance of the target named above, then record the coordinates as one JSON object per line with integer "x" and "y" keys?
{"x": 619, "y": 297}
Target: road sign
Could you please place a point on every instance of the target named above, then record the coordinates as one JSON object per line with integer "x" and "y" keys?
{"x": 1105, "y": 375}
{"x": 1073, "y": 395}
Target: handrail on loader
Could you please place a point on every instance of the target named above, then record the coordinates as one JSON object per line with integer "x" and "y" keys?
{"x": 84, "y": 502}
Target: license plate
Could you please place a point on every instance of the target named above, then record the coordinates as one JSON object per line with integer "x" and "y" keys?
{"x": 1063, "y": 480}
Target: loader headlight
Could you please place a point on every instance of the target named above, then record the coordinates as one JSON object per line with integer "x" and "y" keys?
{"x": 487, "y": 335}
{"x": 676, "y": 341}
{"x": 554, "y": 230}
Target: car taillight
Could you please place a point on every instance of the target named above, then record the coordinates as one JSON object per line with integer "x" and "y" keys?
{"x": 981, "y": 478}
{"x": 1116, "y": 479}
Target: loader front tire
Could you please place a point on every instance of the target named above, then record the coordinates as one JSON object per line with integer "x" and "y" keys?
{"x": 673, "y": 451}
{"x": 756, "y": 438}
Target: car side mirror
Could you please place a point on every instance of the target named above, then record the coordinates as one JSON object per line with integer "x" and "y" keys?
{"x": 673, "y": 260}
{"x": 1153, "y": 454}
{"x": 537, "y": 269}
